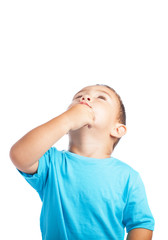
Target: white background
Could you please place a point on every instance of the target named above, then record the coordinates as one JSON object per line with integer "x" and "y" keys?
{"x": 49, "y": 50}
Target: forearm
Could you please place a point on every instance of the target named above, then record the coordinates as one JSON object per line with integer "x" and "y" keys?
{"x": 140, "y": 234}
{"x": 32, "y": 146}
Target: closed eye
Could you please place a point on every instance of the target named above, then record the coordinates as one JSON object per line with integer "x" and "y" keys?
{"x": 102, "y": 97}
{"x": 79, "y": 96}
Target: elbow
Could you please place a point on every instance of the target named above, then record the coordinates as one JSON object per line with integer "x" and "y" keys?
{"x": 15, "y": 156}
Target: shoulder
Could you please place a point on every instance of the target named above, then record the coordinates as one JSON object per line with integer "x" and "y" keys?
{"x": 125, "y": 166}
{"x": 53, "y": 153}
{"x": 125, "y": 169}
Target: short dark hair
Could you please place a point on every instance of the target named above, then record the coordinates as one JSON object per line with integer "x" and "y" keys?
{"x": 122, "y": 114}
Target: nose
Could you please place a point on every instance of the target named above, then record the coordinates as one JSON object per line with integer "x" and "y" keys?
{"x": 86, "y": 98}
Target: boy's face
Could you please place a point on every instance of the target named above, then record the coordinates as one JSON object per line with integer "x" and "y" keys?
{"x": 104, "y": 103}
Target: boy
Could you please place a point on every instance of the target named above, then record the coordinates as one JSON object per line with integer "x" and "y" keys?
{"x": 86, "y": 193}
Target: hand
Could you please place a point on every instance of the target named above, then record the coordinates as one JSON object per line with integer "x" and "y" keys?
{"x": 80, "y": 115}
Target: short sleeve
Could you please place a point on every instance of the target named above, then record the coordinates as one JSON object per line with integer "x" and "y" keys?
{"x": 137, "y": 213}
{"x": 38, "y": 180}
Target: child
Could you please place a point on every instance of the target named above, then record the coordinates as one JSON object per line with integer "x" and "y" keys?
{"x": 86, "y": 193}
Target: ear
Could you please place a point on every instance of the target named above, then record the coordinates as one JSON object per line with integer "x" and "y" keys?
{"x": 119, "y": 130}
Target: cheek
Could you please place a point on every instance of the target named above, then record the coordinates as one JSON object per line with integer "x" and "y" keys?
{"x": 102, "y": 116}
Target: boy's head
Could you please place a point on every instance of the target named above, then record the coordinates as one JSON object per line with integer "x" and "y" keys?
{"x": 110, "y": 116}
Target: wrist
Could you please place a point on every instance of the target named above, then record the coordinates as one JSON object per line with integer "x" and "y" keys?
{"x": 67, "y": 120}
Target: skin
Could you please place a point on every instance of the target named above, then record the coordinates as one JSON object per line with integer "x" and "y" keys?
{"x": 96, "y": 140}
{"x": 140, "y": 234}
{"x": 92, "y": 130}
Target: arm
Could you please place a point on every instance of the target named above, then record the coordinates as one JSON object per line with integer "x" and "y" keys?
{"x": 26, "y": 152}
{"x": 140, "y": 234}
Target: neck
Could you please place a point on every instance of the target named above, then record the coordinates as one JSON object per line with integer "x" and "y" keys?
{"x": 89, "y": 145}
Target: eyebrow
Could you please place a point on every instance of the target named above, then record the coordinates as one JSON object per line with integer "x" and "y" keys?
{"x": 96, "y": 90}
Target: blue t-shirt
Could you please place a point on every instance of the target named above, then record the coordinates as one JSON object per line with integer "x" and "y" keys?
{"x": 88, "y": 198}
